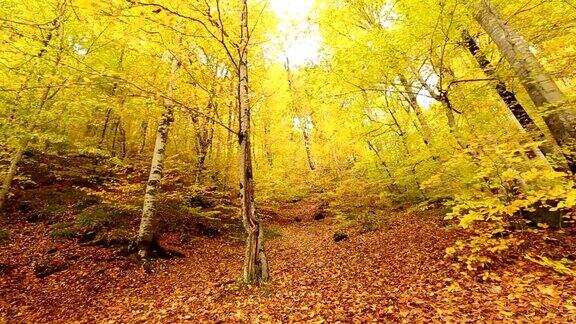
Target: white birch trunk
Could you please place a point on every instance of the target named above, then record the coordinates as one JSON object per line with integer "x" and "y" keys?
{"x": 412, "y": 100}
{"x": 146, "y": 234}
{"x": 308, "y": 147}
{"x": 448, "y": 110}
{"x": 16, "y": 158}
{"x": 304, "y": 122}
{"x": 543, "y": 90}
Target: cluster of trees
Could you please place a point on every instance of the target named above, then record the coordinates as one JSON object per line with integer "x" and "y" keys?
{"x": 421, "y": 100}
{"x": 69, "y": 63}
{"x": 468, "y": 103}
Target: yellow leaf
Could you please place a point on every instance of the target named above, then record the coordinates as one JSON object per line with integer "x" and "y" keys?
{"x": 455, "y": 286}
{"x": 547, "y": 290}
{"x": 570, "y": 307}
{"x": 506, "y": 313}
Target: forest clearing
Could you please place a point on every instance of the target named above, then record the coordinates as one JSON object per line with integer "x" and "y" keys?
{"x": 272, "y": 161}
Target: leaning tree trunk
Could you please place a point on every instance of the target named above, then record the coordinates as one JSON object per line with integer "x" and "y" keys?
{"x": 393, "y": 187}
{"x": 16, "y": 158}
{"x": 442, "y": 97}
{"x": 255, "y": 264}
{"x": 402, "y": 134}
{"x": 147, "y": 239}
{"x": 143, "y": 135}
{"x": 411, "y": 97}
{"x": 46, "y": 95}
{"x": 105, "y": 128}
{"x": 308, "y": 147}
{"x": 509, "y": 98}
{"x": 449, "y": 112}
{"x": 561, "y": 119}
{"x": 304, "y": 122}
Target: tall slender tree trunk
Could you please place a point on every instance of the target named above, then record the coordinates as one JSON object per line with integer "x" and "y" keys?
{"x": 201, "y": 164}
{"x": 442, "y": 97}
{"x": 402, "y": 134}
{"x": 105, "y": 128}
{"x": 116, "y": 125}
{"x": 255, "y": 263}
{"x": 509, "y": 98}
{"x": 122, "y": 143}
{"x": 454, "y": 127}
{"x": 267, "y": 144}
{"x": 143, "y": 135}
{"x": 147, "y": 239}
{"x": 230, "y": 139}
{"x": 44, "y": 98}
{"x": 308, "y": 147}
{"x": 413, "y": 102}
{"x": 544, "y": 92}
{"x": 16, "y": 158}
{"x": 393, "y": 187}
{"x": 204, "y": 130}
{"x": 304, "y": 122}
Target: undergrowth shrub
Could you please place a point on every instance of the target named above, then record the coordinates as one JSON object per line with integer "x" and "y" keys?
{"x": 102, "y": 217}
{"x": 370, "y": 221}
{"x": 481, "y": 249}
{"x": 563, "y": 266}
{"x": 498, "y": 201}
{"x": 280, "y": 186}
{"x": 361, "y": 203}
{"x": 272, "y": 232}
{"x": 93, "y": 151}
{"x": 54, "y": 212}
{"x": 116, "y": 236}
{"x": 66, "y": 231}
{"x": 185, "y": 218}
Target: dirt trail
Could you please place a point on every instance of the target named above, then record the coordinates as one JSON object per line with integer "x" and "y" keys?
{"x": 395, "y": 274}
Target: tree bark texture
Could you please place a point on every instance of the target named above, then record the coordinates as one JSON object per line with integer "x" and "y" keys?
{"x": 147, "y": 239}
{"x": 255, "y": 263}
{"x": 542, "y": 89}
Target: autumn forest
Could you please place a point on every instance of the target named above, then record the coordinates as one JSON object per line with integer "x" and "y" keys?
{"x": 275, "y": 161}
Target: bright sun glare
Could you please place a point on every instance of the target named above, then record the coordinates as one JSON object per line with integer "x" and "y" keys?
{"x": 300, "y": 40}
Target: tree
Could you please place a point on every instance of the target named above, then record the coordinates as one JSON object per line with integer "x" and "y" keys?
{"x": 147, "y": 239}
{"x": 48, "y": 92}
{"x": 304, "y": 122}
{"x": 255, "y": 263}
{"x": 411, "y": 96}
{"x": 542, "y": 89}
{"x": 509, "y": 98}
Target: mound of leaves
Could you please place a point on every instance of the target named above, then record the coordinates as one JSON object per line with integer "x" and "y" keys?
{"x": 102, "y": 225}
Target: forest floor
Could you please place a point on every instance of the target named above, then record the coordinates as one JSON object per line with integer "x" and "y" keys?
{"x": 396, "y": 273}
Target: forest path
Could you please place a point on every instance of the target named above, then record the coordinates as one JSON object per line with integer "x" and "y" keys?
{"x": 397, "y": 273}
